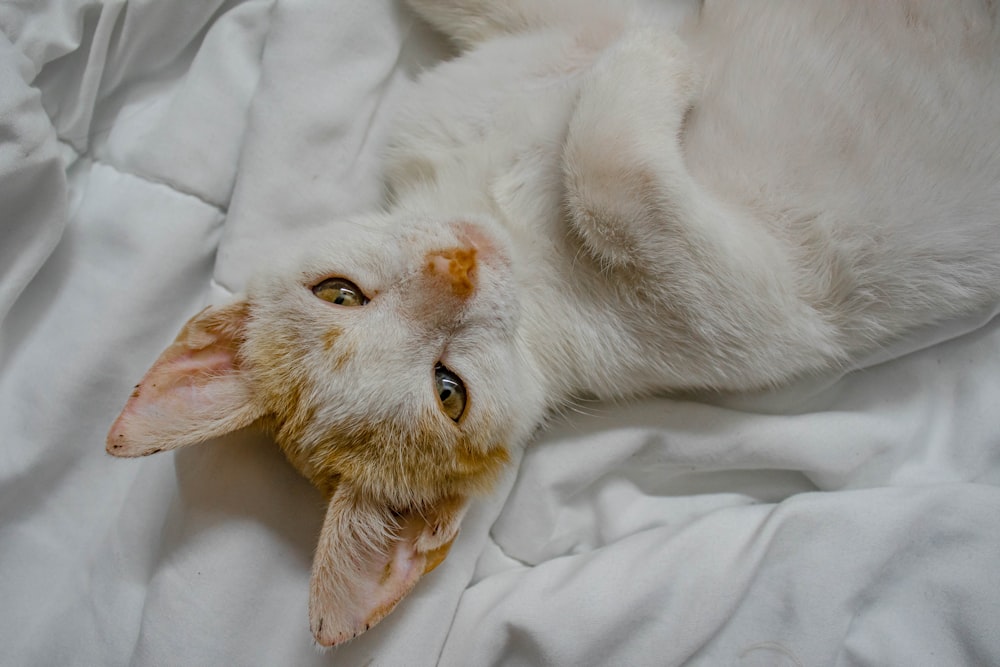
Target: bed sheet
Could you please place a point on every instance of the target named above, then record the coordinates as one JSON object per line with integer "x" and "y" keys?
{"x": 154, "y": 151}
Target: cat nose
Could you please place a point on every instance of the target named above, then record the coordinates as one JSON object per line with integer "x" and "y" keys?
{"x": 455, "y": 268}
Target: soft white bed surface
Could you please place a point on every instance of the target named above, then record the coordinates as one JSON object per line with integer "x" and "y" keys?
{"x": 153, "y": 152}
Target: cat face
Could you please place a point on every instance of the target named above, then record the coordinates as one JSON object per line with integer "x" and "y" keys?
{"x": 352, "y": 349}
{"x": 384, "y": 358}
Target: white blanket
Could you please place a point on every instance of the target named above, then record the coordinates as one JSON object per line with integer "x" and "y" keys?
{"x": 152, "y": 152}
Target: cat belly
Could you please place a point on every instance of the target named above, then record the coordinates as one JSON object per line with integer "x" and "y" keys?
{"x": 868, "y": 134}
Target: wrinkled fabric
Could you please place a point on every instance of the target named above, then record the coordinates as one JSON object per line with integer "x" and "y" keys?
{"x": 152, "y": 156}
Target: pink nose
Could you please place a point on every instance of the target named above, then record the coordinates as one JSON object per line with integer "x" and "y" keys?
{"x": 456, "y": 267}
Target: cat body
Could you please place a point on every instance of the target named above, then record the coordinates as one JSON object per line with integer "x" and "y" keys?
{"x": 822, "y": 210}
{"x": 587, "y": 202}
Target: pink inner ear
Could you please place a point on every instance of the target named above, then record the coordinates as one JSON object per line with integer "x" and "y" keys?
{"x": 192, "y": 393}
{"x": 181, "y": 375}
{"x": 356, "y": 583}
{"x": 214, "y": 359}
{"x": 394, "y": 575}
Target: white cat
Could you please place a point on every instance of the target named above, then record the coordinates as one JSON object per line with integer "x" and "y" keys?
{"x": 585, "y": 203}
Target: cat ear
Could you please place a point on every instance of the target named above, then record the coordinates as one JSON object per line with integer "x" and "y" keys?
{"x": 194, "y": 392}
{"x": 369, "y": 557}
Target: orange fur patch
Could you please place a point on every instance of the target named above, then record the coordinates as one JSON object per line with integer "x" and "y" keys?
{"x": 477, "y": 460}
{"x": 402, "y": 468}
{"x": 457, "y": 266}
{"x": 344, "y": 351}
{"x": 436, "y": 556}
{"x": 386, "y": 573}
{"x": 399, "y": 462}
{"x": 341, "y": 348}
{"x": 330, "y": 337}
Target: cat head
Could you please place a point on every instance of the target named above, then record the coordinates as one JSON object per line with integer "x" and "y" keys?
{"x": 384, "y": 358}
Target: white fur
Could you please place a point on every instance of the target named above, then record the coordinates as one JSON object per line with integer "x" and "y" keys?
{"x": 773, "y": 190}
{"x": 835, "y": 184}
{"x": 768, "y": 192}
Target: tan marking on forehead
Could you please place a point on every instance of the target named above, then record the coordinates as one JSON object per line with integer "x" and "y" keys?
{"x": 330, "y": 337}
{"x": 345, "y": 349}
{"x": 457, "y": 266}
{"x": 341, "y": 348}
{"x": 400, "y": 461}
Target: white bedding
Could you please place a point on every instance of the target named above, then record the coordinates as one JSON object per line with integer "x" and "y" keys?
{"x": 152, "y": 152}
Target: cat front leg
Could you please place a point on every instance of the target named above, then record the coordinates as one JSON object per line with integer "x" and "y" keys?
{"x": 471, "y": 22}
{"x": 631, "y": 200}
{"x": 732, "y": 290}
{"x": 626, "y": 183}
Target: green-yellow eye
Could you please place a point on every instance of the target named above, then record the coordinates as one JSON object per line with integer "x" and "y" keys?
{"x": 341, "y": 292}
{"x": 451, "y": 392}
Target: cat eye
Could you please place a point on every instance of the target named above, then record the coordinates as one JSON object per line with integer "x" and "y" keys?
{"x": 451, "y": 392}
{"x": 340, "y": 291}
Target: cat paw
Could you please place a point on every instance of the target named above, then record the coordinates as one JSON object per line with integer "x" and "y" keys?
{"x": 608, "y": 209}
{"x": 622, "y": 164}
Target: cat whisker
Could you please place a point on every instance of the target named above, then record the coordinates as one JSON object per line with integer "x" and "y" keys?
{"x": 582, "y": 406}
